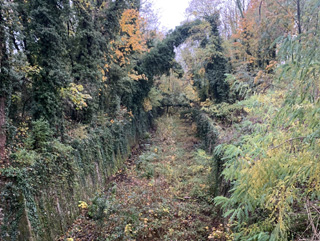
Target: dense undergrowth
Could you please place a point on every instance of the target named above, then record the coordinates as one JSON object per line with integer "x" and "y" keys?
{"x": 266, "y": 155}
{"x": 46, "y": 181}
{"x": 274, "y": 174}
{"x": 82, "y": 81}
{"x": 162, "y": 194}
{"x": 76, "y": 93}
{"x": 272, "y": 161}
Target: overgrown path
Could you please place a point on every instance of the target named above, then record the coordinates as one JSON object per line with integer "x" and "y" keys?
{"x": 162, "y": 194}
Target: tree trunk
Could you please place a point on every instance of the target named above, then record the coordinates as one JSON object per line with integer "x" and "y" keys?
{"x": 3, "y": 62}
{"x": 299, "y": 17}
{"x": 2, "y": 129}
{"x": 239, "y": 5}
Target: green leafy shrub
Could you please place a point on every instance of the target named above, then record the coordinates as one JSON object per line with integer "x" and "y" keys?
{"x": 23, "y": 157}
{"x": 41, "y": 134}
{"x": 144, "y": 164}
{"x": 206, "y": 130}
{"x": 99, "y": 208}
{"x": 273, "y": 170}
{"x": 226, "y": 113}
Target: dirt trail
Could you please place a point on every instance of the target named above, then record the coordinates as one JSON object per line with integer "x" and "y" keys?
{"x": 161, "y": 195}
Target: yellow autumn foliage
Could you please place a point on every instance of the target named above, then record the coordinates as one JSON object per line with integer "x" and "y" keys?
{"x": 75, "y": 94}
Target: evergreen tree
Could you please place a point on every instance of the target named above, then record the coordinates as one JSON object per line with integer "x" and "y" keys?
{"x": 86, "y": 46}
{"x": 216, "y": 65}
{"x": 47, "y": 46}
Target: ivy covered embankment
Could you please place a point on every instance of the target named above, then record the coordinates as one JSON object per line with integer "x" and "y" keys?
{"x": 42, "y": 188}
